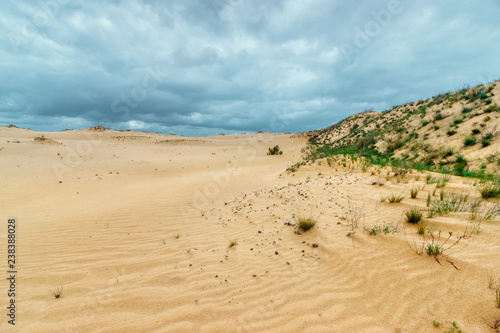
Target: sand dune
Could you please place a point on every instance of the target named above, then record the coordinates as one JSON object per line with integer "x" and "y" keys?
{"x": 136, "y": 227}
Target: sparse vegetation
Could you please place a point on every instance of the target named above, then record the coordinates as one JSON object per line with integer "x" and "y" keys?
{"x": 392, "y": 143}
{"x": 414, "y": 192}
{"x": 448, "y": 203}
{"x": 492, "y": 108}
{"x": 454, "y": 328}
{"x": 233, "y": 243}
{"x": 437, "y": 246}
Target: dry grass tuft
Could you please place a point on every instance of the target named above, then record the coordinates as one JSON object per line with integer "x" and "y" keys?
{"x": 57, "y": 292}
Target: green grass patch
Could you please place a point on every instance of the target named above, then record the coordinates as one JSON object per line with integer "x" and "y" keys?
{"x": 469, "y": 141}
{"x": 413, "y": 215}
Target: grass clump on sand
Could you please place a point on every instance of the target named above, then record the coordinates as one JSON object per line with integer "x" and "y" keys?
{"x": 57, "y": 292}
{"x": 414, "y": 192}
{"x": 413, "y": 215}
{"x": 394, "y": 198}
{"x": 275, "y": 151}
{"x": 233, "y": 243}
{"x": 489, "y": 190}
{"x": 469, "y": 141}
{"x": 306, "y": 223}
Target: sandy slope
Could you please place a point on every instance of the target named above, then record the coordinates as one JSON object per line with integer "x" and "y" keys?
{"x": 136, "y": 228}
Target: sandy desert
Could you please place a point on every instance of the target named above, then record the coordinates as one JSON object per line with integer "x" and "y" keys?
{"x": 143, "y": 232}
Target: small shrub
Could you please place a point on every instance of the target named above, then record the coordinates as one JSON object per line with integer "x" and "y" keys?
{"x": 448, "y": 152}
{"x": 305, "y": 224}
{"x": 466, "y": 110}
{"x": 413, "y": 215}
{"x": 275, "y": 151}
{"x": 486, "y": 140}
{"x": 451, "y": 132}
{"x": 470, "y": 141}
{"x": 475, "y": 131}
{"x": 461, "y": 160}
{"x": 457, "y": 121}
{"x": 488, "y": 136}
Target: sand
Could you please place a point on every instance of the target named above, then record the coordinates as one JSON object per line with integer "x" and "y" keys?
{"x": 135, "y": 228}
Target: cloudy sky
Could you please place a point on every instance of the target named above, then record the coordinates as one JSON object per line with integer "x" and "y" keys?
{"x": 203, "y": 67}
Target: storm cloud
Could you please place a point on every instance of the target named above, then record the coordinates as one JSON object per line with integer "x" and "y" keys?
{"x": 202, "y": 67}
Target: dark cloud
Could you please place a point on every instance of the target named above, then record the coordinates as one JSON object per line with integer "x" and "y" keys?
{"x": 198, "y": 67}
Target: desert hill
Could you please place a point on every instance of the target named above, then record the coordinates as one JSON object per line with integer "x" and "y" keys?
{"x": 434, "y": 134}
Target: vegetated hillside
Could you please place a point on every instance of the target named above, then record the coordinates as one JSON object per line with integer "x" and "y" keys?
{"x": 455, "y": 132}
